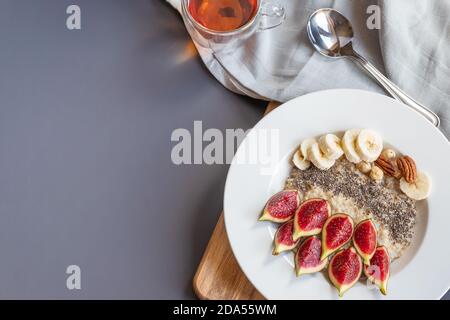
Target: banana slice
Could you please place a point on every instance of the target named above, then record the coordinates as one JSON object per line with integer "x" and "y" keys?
{"x": 305, "y": 146}
{"x": 318, "y": 158}
{"x": 330, "y": 145}
{"x": 369, "y": 145}
{"x": 349, "y": 145}
{"x": 299, "y": 161}
{"x": 418, "y": 190}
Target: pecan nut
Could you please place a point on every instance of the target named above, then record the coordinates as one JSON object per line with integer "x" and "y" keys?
{"x": 388, "y": 166}
{"x": 408, "y": 168}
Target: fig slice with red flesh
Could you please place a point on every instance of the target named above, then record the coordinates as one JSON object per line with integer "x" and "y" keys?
{"x": 345, "y": 269}
{"x": 310, "y": 217}
{"x": 378, "y": 270}
{"x": 365, "y": 240}
{"x": 281, "y": 207}
{"x": 337, "y": 231}
{"x": 283, "y": 238}
{"x": 307, "y": 257}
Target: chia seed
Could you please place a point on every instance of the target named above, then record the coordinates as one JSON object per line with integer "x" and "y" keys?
{"x": 384, "y": 201}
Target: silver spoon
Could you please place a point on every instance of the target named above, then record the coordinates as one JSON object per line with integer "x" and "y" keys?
{"x": 331, "y": 34}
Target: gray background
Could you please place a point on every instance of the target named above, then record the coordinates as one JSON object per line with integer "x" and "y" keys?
{"x": 86, "y": 176}
{"x": 85, "y": 171}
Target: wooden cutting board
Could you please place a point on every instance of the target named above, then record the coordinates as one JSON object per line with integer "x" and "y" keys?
{"x": 219, "y": 276}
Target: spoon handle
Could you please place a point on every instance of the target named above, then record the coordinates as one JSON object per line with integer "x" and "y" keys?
{"x": 394, "y": 90}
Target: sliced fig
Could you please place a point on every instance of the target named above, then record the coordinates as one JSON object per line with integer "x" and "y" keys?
{"x": 281, "y": 207}
{"x": 307, "y": 257}
{"x": 283, "y": 238}
{"x": 345, "y": 269}
{"x": 310, "y": 217}
{"x": 337, "y": 231}
{"x": 378, "y": 270}
{"x": 365, "y": 240}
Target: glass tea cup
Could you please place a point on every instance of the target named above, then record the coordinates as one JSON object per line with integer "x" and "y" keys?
{"x": 226, "y": 37}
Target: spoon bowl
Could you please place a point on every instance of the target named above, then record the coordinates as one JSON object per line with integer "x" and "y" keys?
{"x": 329, "y": 31}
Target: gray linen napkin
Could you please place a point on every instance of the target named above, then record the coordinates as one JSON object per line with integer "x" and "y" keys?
{"x": 411, "y": 48}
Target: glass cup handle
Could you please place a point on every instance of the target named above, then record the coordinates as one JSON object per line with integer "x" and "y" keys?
{"x": 273, "y": 14}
